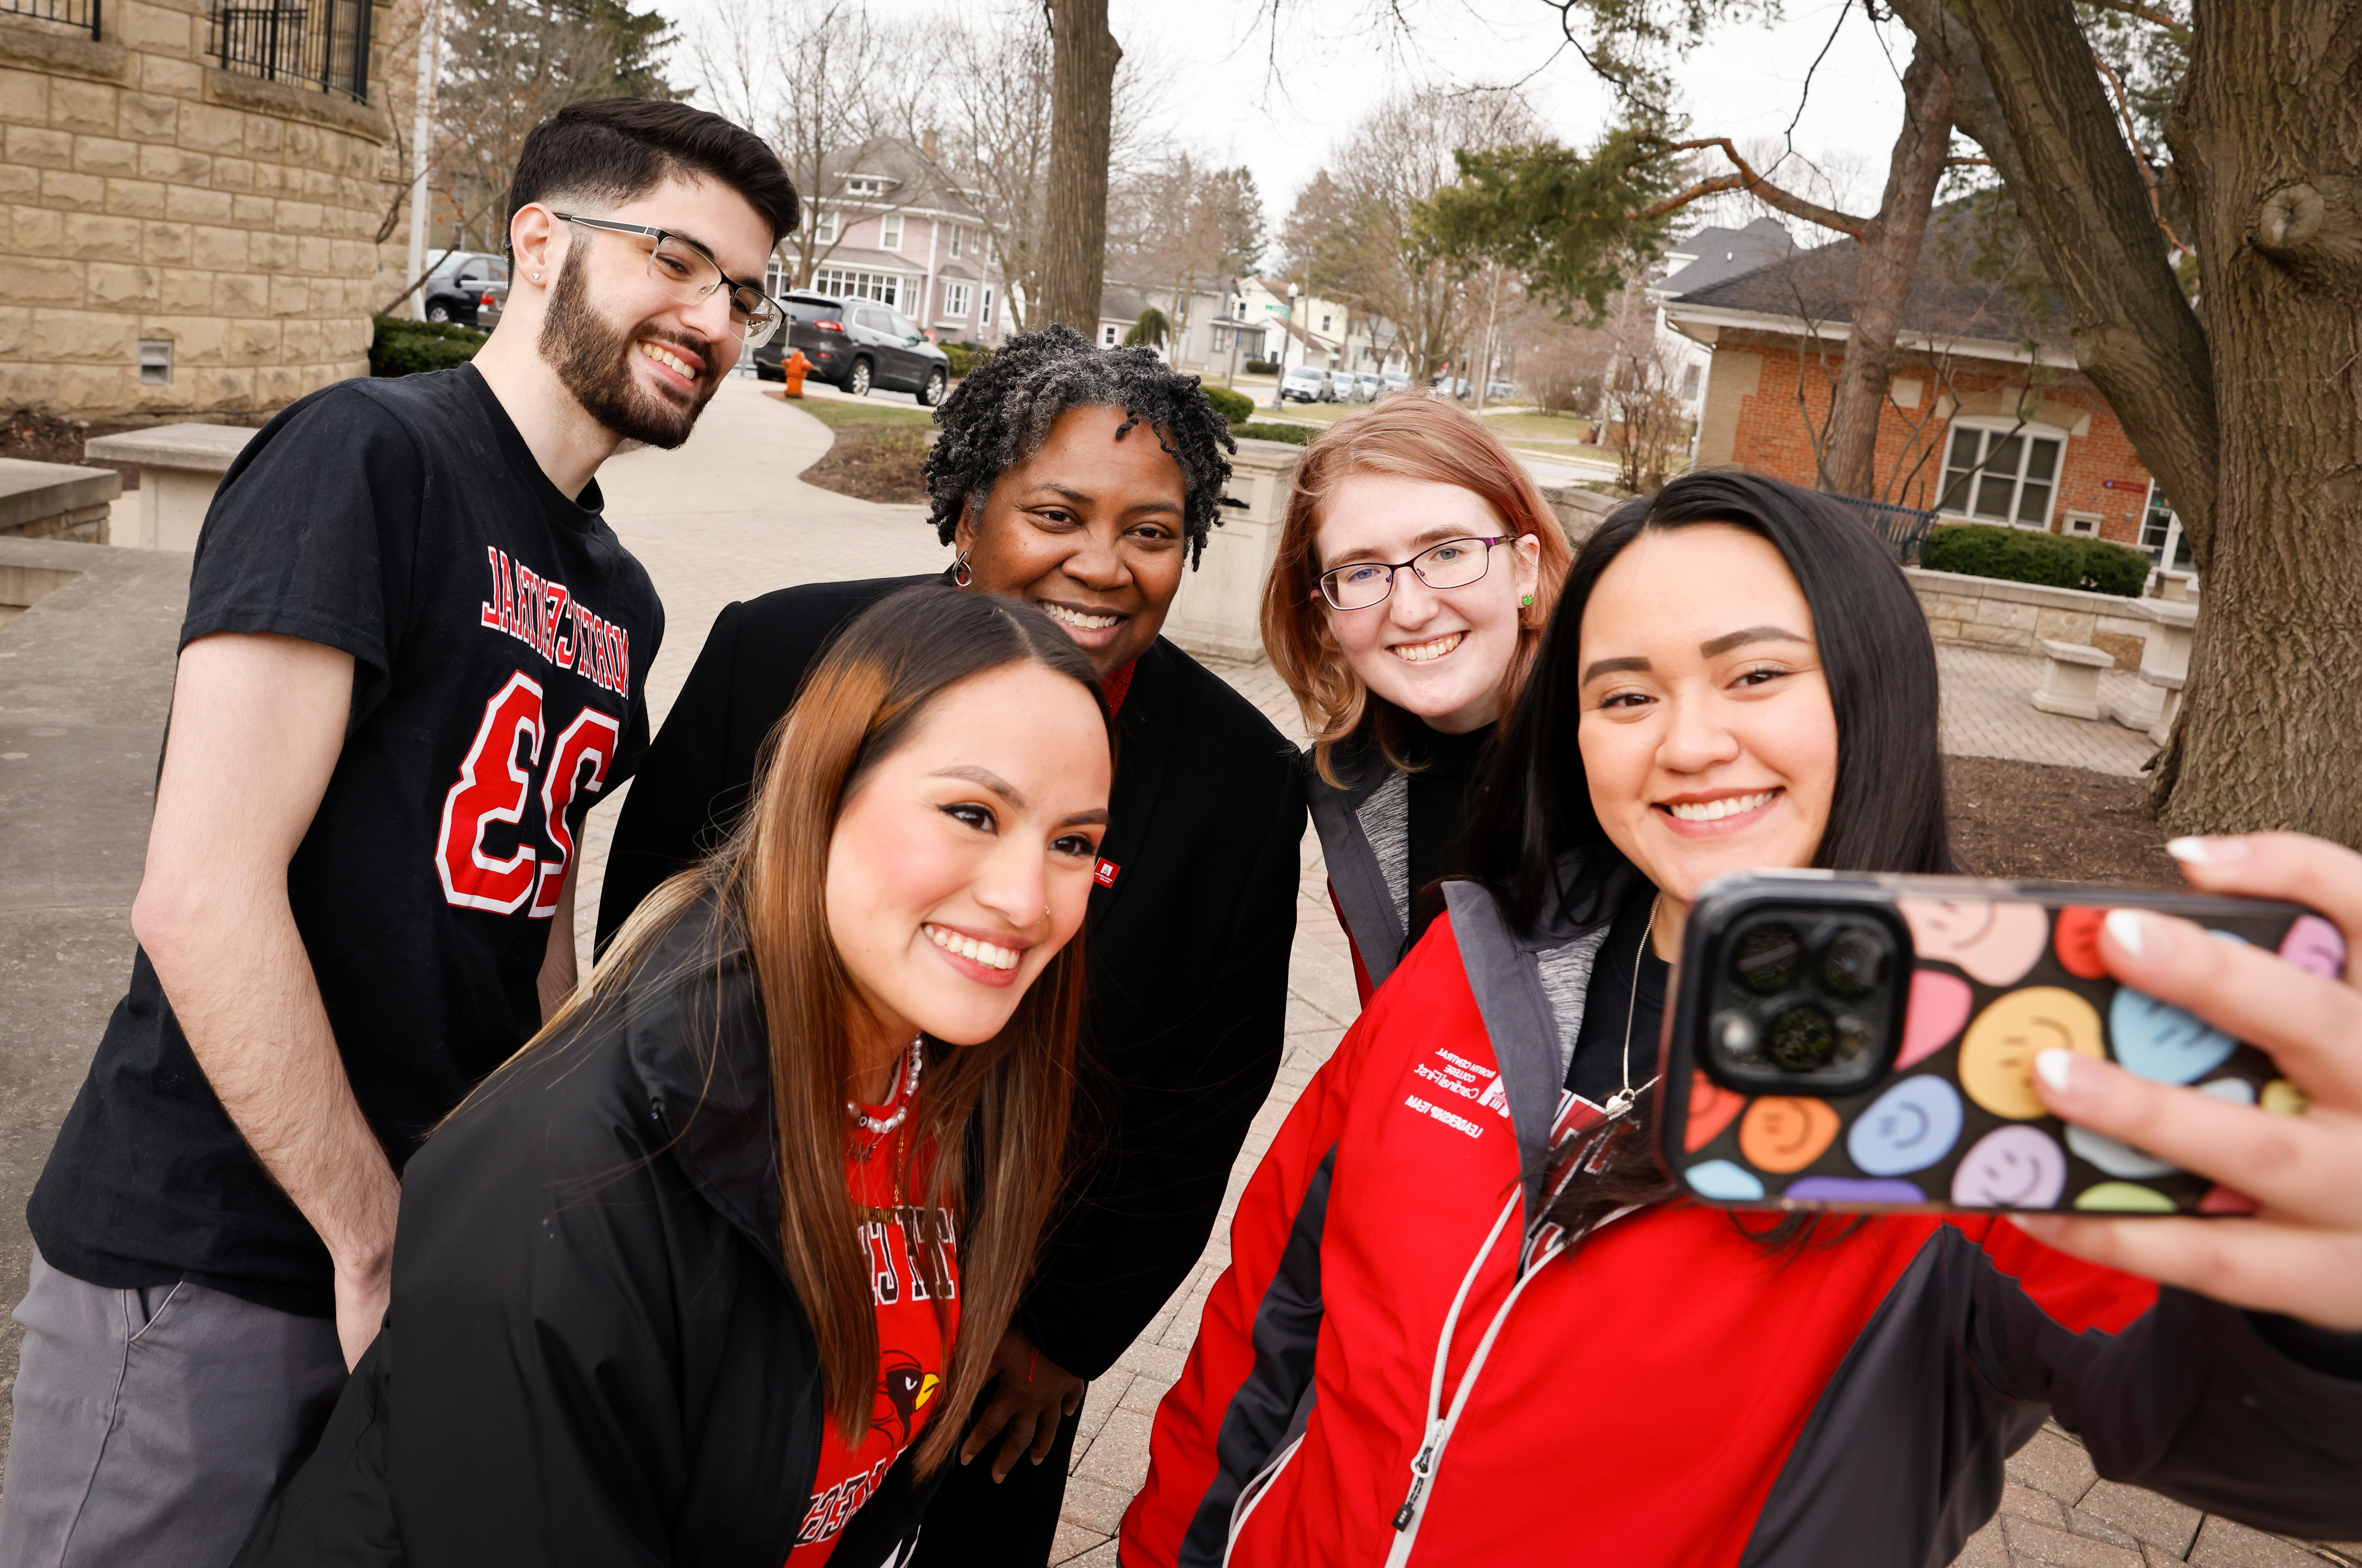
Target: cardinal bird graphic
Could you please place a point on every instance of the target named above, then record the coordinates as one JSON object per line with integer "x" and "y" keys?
{"x": 907, "y": 1387}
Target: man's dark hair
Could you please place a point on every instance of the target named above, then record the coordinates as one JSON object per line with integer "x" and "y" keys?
{"x": 1003, "y": 410}
{"x": 616, "y": 150}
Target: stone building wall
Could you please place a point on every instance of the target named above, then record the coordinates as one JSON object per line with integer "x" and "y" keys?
{"x": 147, "y": 193}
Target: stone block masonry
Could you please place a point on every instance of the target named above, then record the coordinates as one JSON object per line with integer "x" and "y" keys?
{"x": 155, "y": 204}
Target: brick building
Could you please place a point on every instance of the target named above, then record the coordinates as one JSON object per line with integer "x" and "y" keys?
{"x": 191, "y": 192}
{"x": 1988, "y": 418}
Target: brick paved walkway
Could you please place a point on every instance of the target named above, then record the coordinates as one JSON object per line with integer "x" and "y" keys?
{"x": 723, "y": 518}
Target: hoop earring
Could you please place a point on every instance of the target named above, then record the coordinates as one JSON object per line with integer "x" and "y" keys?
{"x": 963, "y": 574}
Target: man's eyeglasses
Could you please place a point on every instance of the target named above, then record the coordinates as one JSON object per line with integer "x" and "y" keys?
{"x": 693, "y": 274}
{"x": 1456, "y": 563}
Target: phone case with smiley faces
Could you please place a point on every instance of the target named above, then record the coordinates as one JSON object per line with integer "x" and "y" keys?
{"x": 1868, "y": 1043}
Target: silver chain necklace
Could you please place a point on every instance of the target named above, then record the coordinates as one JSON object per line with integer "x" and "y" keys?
{"x": 905, "y": 1088}
{"x": 1622, "y": 1099}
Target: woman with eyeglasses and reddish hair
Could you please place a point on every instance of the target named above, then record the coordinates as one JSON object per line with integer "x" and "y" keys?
{"x": 1417, "y": 568}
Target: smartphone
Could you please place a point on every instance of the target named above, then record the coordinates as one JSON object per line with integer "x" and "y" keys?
{"x": 1857, "y": 1042}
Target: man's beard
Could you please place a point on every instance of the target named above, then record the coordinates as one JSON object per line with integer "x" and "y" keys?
{"x": 592, "y": 357}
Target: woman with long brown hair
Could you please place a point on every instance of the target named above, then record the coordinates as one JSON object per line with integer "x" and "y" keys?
{"x": 712, "y": 1273}
{"x": 1417, "y": 568}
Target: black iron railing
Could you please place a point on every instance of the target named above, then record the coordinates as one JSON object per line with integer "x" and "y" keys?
{"x": 308, "y": 43}
{"x": 1905, "y": 528}
{"x": 77, "y": 13}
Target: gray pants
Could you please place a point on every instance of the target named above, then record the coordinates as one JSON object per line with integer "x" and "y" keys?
{"x": 152, "y": 1425}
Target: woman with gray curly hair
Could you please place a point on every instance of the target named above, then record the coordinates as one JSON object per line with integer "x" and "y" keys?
{"x": 1084, "y": 482}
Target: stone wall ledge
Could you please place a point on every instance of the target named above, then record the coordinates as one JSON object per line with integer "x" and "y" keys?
{"x": 34, "y": 493}
{"x": 206, "y": 448}
{"x": 234, "y": 89}
{"x": 1930, "y": 583}
{"x": 25, "y": 43}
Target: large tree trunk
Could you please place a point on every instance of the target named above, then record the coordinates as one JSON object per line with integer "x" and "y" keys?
{"x": 2268, "y": 134}
{"x": 2024, "y": 89}
{"x": 1890, "y": 247}
{"x": 1082, "y": 105}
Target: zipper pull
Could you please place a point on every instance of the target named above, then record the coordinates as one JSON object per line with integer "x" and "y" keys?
{"x": 1421, "y": 1468}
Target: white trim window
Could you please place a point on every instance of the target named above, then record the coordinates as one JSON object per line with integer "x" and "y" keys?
{"x": 864, "y": 185}
{"x": 983, "y": 307}
{"x": 776, "y": 276}
{"x": 846, "y": 283}
{"x": 824, "y": 227}
{"x": 955, "y": 300}
{"x": 889, "y": 232}
{"x": 1111, "y": 335}
{"x": 958, "y": 242}
{"x": 2002, "y": 470}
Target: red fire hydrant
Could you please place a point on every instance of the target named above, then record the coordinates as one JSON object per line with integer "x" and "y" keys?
{"x": 795, "y": 368}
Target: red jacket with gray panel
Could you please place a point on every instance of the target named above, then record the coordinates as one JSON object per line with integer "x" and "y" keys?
{"x": 1401, "y": 1365}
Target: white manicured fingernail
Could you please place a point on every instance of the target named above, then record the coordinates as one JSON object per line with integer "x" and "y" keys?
{"x": 2057, "y": 1067}
{"x": 2126, "y": 926}
{"x": 2188, "y": 851}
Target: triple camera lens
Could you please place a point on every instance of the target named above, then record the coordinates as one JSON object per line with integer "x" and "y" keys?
{"x": 1807, "y": 1000}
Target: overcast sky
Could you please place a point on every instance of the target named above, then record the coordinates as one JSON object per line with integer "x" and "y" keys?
{"x": 1277, "y": 104}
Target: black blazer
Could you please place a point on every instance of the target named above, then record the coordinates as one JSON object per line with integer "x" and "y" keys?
{"x": 602, "y": 1363}
{"x": 1186, "y": 945}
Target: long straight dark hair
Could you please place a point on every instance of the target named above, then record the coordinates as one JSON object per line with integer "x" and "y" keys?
{"x": 1539, "y": 840}
{"x": 993, "y": 1113}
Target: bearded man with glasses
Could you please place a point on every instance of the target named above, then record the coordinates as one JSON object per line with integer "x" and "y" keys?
{"x": 414, "y": 655}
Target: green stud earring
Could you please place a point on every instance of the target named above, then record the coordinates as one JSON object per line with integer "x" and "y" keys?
{"x": 1527, "y": 600}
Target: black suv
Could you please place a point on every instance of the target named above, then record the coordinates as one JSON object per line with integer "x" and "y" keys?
{"x": 857, "y": 344}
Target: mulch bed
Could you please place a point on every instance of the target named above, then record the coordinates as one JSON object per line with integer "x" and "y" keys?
{"x": 45, "y": 438}
{"x": 874, "y": 462}
{"x": 2030, "y": 822}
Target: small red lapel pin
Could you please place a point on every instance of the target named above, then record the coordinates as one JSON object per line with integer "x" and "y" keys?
{"x": 1104, "y": 873}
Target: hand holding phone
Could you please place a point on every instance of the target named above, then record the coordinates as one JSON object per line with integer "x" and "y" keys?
{"x": 1873, "y": 1042}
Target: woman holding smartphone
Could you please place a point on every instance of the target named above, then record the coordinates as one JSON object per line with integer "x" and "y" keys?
{"x": 1415, "y": 572}
{"x": 1466, "y": 1314}
{"x": 713, "y": 1271}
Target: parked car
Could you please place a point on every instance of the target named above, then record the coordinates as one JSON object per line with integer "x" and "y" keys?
{"x": 1500, "y": 390}
{"x": 1304, "y": 385}
{"x": 489, "y": 304}
{"x": 1367, "y": 386}
{"x": 458, "y": 283}
{"x": 1396, "y": 380}
{"x": 856, "y": 344}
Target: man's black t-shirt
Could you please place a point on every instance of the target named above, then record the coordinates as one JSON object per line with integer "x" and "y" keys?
{"x": 500, "y": 635}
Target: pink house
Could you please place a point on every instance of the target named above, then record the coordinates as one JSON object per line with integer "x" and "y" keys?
{"x": 893, "y": 228}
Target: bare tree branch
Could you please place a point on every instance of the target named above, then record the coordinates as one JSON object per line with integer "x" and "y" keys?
{"x": 2141, "y": 158}
{"x": 2154, "y": 19}
{"x": 1755, "y": 185}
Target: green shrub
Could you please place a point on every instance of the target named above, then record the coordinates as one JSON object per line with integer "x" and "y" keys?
{"x": 405, "y": 348}
{"x": 1234, "y": 406}
{"x": 965, "y": 357}
{"x": 1300, "y": 435}
{"x": 2019, "y": 555}
{"x": 1263, "y": 367}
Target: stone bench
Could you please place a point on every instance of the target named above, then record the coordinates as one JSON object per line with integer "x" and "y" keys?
{"x": 2164, "y": 665}
{"x": 180, "y": 468}
{"x": 2071, "y": 684}
{"x": 56, "y": 501}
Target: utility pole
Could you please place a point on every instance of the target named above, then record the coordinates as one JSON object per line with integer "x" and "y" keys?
{"x": 1492, "y": 314}
{"x": 1238, "y": 311}
{"x": 1287, "y": 341}
{"x": 430, "y": 17}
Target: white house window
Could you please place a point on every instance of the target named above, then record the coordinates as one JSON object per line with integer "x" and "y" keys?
{"x": 2001, "y": 471}
{"x": 958, "y": 241}
{"x": 955, "y": 300}
{"x": 984, "y": 309}
{"x": 850, "y": 283}
{"x": 1109, "y": 333}
{"x": 1324, "y": 321}
{"x": 824, "y": 229}
{"x": 864, "y": 185}
{"x": 775, "y": 277}
{"x": 889, "y": 232}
